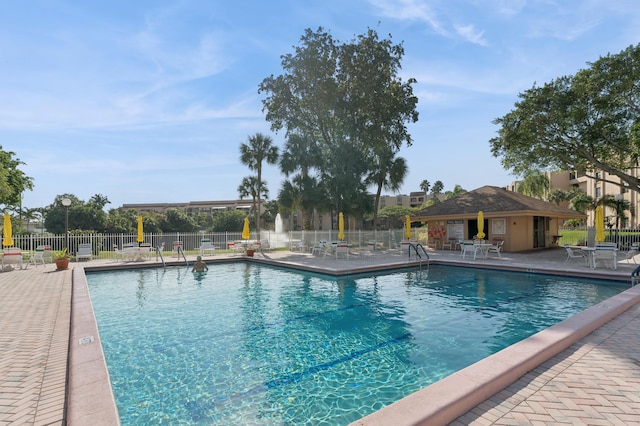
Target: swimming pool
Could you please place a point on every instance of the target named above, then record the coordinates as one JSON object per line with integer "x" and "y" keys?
{"x": 251, "y": 344}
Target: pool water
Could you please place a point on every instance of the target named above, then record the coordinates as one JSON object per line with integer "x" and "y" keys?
{"x": 250, "y": 344}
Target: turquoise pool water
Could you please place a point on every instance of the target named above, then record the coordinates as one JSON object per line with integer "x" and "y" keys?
{"x": 249, "y": 344}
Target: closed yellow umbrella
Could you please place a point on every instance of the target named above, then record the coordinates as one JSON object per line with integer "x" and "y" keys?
{"x": 481, "y": 225}
{"x": 599, "y": 224}
{"x": 340, "y": 226}
{"x": 140, "y": 230}
{"x": 246, "y": 234}
{"x": 408, "y": 227}
{"x": 7, "y": 239}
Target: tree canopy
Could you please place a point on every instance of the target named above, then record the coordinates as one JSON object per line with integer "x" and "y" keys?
{"x": 347, "y": 101}
{"x": 13, "y": 181}
{"x": 585, "y": 122}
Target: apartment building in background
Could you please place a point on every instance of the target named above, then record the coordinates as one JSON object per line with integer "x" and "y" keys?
{"x": 292, "y": 222}
{"x": 604, "y": 184}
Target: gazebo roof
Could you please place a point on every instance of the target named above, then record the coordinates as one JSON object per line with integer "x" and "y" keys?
{"x": 494, "y": 202}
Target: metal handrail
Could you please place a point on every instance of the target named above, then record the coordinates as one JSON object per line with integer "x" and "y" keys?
{"x": 181, "y": 251}
{"x": 159, "y": 253}
{"x": 415, "y": 248}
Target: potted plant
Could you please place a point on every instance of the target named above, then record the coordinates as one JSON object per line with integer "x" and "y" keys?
{"x": 250, "y": 250}
{"x": 61, "y": 258}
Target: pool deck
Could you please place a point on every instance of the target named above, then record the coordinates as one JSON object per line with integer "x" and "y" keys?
{"x": 585, "y": 370}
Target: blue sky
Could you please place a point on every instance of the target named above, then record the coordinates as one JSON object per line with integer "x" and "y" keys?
{"x": 149, "y": 100}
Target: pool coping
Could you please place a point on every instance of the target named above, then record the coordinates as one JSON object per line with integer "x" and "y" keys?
{"x": 90, "y": 398}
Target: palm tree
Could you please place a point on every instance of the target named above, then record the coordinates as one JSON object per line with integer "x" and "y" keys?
{"x": 582, "y": 202}
{"x": 388, "y": 173}
{"x": 534, "y": 184}
{"x": 99, "y": 200}
{"x": 300, "y": 154}
{"x": 457, "y": 190}
{"x": 259, "y": 149}
{"x": 557, "y": 196}
{"x": 436, "y": 190}
{"x": 619, "y": 207}
{"x": 250, "y": 187}
{"x": 425, "y": 185}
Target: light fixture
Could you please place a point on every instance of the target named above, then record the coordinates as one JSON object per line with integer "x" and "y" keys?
{"x": 66, "y": 203}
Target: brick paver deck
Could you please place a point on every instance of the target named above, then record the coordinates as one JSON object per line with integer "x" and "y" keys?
{"x": 595, "y": 381}
{"x": 35, "y": 312}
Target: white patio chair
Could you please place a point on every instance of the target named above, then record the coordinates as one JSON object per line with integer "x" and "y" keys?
{"x": 342, "y": 250}
{"x": 575, "y": 254}
{"x": 11, "y": 256}
{"x": 118, "y": 254}
{"x": 144, "y": 252}
{"x": 235, "y": 247}
{"x": 176, "y": 248}
{"x": 264, "y": 245}
{"x": 449, "y": 243}
{"x": 607, "y": 255}
{"x": 85, "y": 251}
{"x": 467, "y": 246}
{"x": 318, "y": 248}
{"x": 48, "y": 254}
{"x": 497, "y": 248}
{"x": 38, "y": 256}
{"x": 206, "y": 246}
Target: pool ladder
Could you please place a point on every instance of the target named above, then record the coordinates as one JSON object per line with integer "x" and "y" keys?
{"x": 159, "y": 253}
{"x": 181, "y": 252}
{"x": 417, "y": 248}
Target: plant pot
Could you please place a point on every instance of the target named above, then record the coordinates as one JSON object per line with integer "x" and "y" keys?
{"x": 250, "y": 252}
{"x": 62, "y": 264}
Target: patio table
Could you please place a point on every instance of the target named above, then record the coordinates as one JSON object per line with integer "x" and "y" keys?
{"x": 483, "y": 248}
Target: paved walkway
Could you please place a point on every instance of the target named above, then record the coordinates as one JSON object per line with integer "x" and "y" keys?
{"x": 35, "y": 314}
{"x": 596, "y": 381}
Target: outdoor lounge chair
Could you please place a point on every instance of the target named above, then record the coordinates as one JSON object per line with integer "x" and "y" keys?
{"x": 450, "y": 243}
{"x": 633, "y": 251}
{"x": 433, "y": 243}
{"x": 41, "y": 255}
{"x": 85, "y": 251}
{"x": 467, "y": 246}
{"x": 342, "y": 249}
{"x": 176, "y": 248}
{"x": 496, "y": 248}
{"x": 318, "y": 248}
{"x": 144, "y": 251}
{"x": 235, "y": 247}
{"x": 606, "y": 254}
{"x": 264, "y": 245}
{"x": 575, "y": 254}
{"x": 206, "y": 246}
{"x": 118, "y": 254}
{"x": 11, "y": 256}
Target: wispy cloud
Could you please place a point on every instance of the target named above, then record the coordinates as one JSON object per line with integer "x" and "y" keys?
{"x": 469, "y": 33}
{"x": 440, "y": 20}
{"x": 410, "y": 10}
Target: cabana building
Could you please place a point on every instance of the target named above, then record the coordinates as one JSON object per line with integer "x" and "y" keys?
{"x": 522, "y": 222}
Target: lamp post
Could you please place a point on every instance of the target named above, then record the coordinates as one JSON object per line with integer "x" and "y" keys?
{"x": 618, "y": 198}
{"x": 66, "y": 203}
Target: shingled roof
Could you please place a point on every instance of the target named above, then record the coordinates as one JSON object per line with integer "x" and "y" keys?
{"x": 494, "y": 202}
